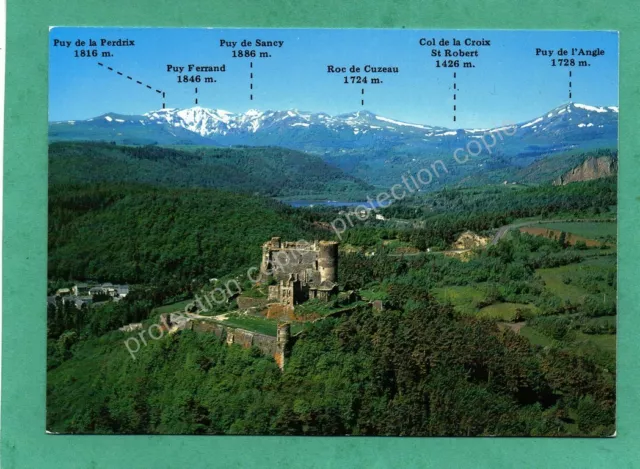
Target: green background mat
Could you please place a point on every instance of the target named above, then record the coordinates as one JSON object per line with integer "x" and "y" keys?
{"x": 24, "y": 442}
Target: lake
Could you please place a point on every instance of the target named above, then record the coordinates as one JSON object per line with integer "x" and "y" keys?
{"x": 335, "y": 203}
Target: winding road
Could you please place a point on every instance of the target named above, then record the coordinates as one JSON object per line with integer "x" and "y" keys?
{"x": 503, "y": 230}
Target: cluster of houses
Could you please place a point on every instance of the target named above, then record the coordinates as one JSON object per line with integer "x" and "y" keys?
{"x": 83, "y": 294}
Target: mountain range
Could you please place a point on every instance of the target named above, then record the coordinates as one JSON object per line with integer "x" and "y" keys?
{"x": 198, "y": 125}
{"x": 363, "y": 144}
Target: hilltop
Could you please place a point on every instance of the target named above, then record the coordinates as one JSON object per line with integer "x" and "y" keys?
{"x": 266, "y": 171}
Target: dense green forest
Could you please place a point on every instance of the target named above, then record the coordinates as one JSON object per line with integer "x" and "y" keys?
{"x": 429, "y": 363}
{"x": 268, "y": 171}
{"x": 416, "y": 368}
{"x": 413, "y": 372}
{"x": 143, "y": 234}
{"x": 514, "y": 201}
{"x": 436, "y": 219}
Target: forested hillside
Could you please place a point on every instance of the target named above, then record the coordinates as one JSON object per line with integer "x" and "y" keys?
{"x": 517, "y": 339}
{"x": 142, "y": 234}
{"x": 518, "y": 201}
{"x": 436, "y": 219}
{"x": 416, "y": 368}
{"x": 270, "y": 171}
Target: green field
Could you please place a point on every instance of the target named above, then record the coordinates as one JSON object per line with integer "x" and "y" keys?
{"x": 591, "y": 230}
{"x": 554, "y": 279}
{"x": 553, "y": 282}
{"x": 601, "y": 347}
{"x": 505, "y": 311}
{"x": 605, "y": 342}
{"x": 463, "y": 298}
{"x": 171, "y": 308}
{"x": 604, "y": 320}
{"x": 582, "y": 342}
{"x": 466, "y": 298}
{"x": 609, "y": 261}
{"x": 316, "y": 307}
{"x": 372, "y": 295}
{"x": 252, "y": 323}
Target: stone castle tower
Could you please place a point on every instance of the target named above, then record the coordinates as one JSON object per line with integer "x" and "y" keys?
{"x": 282, "y": 344}
{"x": 328, "y": 261}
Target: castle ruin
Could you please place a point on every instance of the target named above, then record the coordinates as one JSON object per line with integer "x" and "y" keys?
{"x": 302, "y": 270}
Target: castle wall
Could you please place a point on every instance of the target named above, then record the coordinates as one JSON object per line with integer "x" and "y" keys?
{"x": 285, "y": 262}
{"x": 324, "y": 295}
{"x": 243, "y": 338}
{"x": 274, "y": 293}
{"x": 265, "y": 343}
{"x": 281, "y": 259}
{"x": 279, "y": 347}
{"x": 208, "y": 327}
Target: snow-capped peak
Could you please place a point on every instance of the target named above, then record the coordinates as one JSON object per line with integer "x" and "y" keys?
{"x": 577, "y": 107}
{"x": 310, "y": 129}
{"x": 207, "y": 122}
{"x": 586, "y": 107}
{"x": 572, "y": 116}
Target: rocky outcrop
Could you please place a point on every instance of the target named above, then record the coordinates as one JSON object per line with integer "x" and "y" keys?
{"x": 591, "y": 168}
{"x": 470, "y": 240}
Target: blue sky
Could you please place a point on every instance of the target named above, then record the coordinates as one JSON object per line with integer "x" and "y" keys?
{"x": 508, "y": 84}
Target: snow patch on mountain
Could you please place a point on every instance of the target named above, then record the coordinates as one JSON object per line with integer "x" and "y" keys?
{"x": 590, "y": 108}
{"x": 529, "y": 124}
{"x": 384, "y": 119}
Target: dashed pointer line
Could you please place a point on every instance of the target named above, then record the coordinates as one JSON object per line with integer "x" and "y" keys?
{"x": 137, "y": 81}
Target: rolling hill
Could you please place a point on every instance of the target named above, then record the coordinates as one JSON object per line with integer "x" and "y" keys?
{"x": 266, "y": 171}
{"x": 141, "y": 234}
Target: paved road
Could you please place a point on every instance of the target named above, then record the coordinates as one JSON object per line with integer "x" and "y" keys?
{"x": 503, "y": 230}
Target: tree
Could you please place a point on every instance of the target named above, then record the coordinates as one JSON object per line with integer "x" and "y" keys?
{"x": 562, "y": 239}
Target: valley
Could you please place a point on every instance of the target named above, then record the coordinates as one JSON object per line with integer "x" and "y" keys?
{"x": 536, "y": 303}
{"x": 480, "y": 303}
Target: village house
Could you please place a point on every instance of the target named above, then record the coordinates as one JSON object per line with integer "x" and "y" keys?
{"x": 115, "y": 291}
{"x": 63, "y": 292}
{"x": 81, "y": 294}
{"x": 81, "y": 289}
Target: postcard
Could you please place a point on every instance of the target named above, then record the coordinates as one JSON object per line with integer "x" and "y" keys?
{"x": 364, "y": 232}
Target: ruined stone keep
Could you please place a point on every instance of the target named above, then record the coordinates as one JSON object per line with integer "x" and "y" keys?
{"x": 302, "y": 270}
